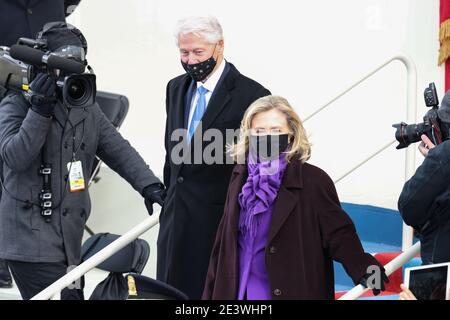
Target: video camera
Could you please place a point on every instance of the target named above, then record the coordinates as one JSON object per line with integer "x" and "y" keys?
{"x": 22, "y": 62}
{"x": 433, "y": 126}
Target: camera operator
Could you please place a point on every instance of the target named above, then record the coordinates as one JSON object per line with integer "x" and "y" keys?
{"x": 425, "y": 199}
{"x": 48, "y": 149}
{"x": 24, "y": 18}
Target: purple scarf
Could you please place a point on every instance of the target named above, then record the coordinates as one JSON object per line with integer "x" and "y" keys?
{"x": 259, "y": 191}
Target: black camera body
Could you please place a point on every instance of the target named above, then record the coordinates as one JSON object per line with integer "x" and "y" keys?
{"x": 74, "y": 89}
{"x": 432, "y": 126}
{"x": 14, "y": 74}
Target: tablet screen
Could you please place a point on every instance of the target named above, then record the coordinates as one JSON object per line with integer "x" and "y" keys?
{"x": 429, "y": 283}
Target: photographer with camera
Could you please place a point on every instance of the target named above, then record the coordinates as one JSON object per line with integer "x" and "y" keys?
{"x": 24, "y": 18}
{"x": 425, "y": 199}
{"x": 49, "y": 136}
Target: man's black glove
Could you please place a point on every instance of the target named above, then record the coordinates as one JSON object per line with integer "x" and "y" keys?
{"x": 42, "y": 95}
{"x": 369, "y": 280}
{"x": 154, "y": 193}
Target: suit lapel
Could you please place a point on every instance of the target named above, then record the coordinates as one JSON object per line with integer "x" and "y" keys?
{"x": 220, "y": 97}
{"x": 187, "y": 103}
{"x": 287, "y": 197}
{"x": 180, "y": 100}
{"x": 177, "y": 110}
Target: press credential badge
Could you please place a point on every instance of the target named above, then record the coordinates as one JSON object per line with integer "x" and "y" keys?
{"x": 76, "y": 178}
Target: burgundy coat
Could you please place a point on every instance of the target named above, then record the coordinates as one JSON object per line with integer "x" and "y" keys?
{"x": 309, "y": 230}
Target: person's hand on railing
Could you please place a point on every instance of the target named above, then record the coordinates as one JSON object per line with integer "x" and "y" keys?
{"x": 406, "y": 294}
{"x": 377, "y": 285}
{"x": 154, "y": 193}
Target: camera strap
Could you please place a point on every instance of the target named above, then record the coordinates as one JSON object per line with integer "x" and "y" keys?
{"x": 46, "y": 196}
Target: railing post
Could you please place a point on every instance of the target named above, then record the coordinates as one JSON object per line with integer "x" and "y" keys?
{"x": 411, "y": 115}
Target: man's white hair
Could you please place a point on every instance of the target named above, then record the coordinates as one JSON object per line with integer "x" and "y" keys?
{"x": 207, "y": 28}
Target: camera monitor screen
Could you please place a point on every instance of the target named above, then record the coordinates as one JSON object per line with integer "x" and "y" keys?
{"x": 429, "y": 282}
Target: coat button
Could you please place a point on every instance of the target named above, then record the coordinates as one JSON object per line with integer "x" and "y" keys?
{"x": 277, "y": 292}
{"x": 180, "y": 179}
{"x": 29, "y": 11}
{"x": 272, "y": 250}
{"x": 64, "y": 213}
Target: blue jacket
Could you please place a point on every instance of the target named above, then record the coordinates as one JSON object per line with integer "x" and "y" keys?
{"x": 425, "y": 204}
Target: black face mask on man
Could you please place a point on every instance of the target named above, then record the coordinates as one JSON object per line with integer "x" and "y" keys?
{"x": 200, "y": 71}
{"x": 268, "y": 147}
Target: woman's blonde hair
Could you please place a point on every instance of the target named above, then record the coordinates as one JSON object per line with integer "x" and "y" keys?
{"x": 299, "y": 145}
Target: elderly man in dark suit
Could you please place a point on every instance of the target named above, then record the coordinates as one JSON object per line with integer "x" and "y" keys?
{"x": 212, "y": 94}
{"x": 24, "y": 18}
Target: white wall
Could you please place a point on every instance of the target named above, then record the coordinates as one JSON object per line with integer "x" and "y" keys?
{"x": 307, "y": 51}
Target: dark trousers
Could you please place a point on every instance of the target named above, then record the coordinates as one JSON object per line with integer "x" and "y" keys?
{"x": 33, "y": 277}
{"x": 4, "y": 272}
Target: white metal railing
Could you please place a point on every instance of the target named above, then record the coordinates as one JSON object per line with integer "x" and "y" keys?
{"x": 411, "y": 115}
{"x": 392, "y": 266}
{"x": 54, "y": 290}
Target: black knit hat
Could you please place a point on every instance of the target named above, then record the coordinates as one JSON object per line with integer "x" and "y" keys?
{"x": 61, "y": 34}
{"x": 444, "y": 109}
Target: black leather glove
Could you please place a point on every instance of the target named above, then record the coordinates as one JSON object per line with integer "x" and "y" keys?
{"x": 369, "y": 280}
{"x": 154, "y": 193}
{"x": 42, "y": 95}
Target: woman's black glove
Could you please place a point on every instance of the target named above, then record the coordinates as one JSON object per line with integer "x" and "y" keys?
{"x": 369, "y": 280}
{"x": 154, "y": 193}
{"x": 42, "y": 95}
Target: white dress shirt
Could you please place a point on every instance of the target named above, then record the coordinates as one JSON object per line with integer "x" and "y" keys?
{"x": 209, "y": 84}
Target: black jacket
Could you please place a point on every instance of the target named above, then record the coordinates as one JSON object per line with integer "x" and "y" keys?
{"x": 425, "y": 204}
{"x": 196, "y": 192}
{"x": 24, "y": 18}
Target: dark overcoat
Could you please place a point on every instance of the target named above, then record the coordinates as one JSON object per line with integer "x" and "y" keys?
{"x": 308, "y": 230}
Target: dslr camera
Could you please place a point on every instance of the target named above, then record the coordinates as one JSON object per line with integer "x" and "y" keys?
{"x": 22, "y": 62}
{"x": 432, "y": 126}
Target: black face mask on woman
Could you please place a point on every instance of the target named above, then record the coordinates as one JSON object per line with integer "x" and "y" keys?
{"x": 268, "y": 147}
{"x": 200, "y": 71}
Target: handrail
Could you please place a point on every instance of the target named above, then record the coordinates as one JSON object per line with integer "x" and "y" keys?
{"x": 364, "y": 161}
{"x": 411, "y": 115}
{"x": 54, "y": 289}
{"x": 389, "y": 268}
